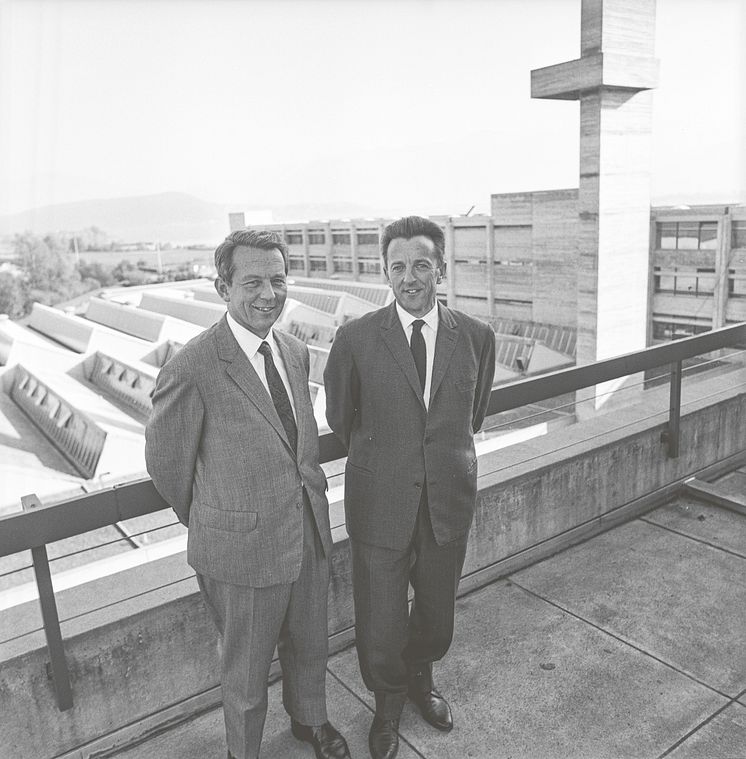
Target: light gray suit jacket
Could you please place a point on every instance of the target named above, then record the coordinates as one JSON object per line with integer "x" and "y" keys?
{"x": 374, "y": 404}
{"x": 218, "y": 454}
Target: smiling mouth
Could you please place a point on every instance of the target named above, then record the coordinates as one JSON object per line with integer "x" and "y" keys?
{"x": 411, "y": 292}
{"x": 264, "y": 309}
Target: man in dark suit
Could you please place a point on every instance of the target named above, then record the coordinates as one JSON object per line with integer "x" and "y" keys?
{"x": 232, "y": 446}
{"x": 407, "y": 387}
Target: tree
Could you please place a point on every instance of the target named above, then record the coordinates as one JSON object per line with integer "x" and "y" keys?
{"x": 46, "y": 264}
{"x": 91, "y": 238}
{"x": 48, "y": 270}
{"x": 98, "y": 272}
{"x": 12, "y": 295}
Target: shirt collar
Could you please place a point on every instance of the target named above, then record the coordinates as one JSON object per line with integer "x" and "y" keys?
{"x": 248, "y": 341}
{"x": 430, "y": 318}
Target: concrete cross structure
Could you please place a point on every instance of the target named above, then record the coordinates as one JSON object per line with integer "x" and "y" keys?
{"x": 613, "y": 80}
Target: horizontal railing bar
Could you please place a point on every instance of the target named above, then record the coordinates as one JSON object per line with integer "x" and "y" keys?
{"x": 535, "y": 389}
{"x": 49, "y": 523}
{"x": 64, "y": 519}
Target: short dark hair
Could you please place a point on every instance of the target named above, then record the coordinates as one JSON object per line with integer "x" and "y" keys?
{"x": 413, "y": 226}
{"x": 262, "y": 239}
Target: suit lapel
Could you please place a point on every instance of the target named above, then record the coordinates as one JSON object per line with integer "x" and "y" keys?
{"x": 239, "y": 369}
{"x": 396, "y": 341}
{"x": 445, "y": 343}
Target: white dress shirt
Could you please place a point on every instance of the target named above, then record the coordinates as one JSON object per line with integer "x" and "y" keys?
{"x": 249, "y": 344}
{"x": 429, "y": 333}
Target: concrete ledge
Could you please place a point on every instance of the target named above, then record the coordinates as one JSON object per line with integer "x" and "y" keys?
{"x": 149, "y": 658}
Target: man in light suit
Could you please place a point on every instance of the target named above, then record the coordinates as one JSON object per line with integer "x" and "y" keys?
{"x": 232, "y": 446}
{"x": 407, "y": 387}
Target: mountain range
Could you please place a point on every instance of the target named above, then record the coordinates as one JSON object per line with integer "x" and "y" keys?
{"x": 173, "y": 217}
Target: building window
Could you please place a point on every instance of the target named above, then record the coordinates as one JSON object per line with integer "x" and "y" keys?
{"x": 369, "y": 267}
{"x": 738, "y": 230}
{"x": 687, "y": 235}
{"x": 367, "y": 238}
{"x": 732, "y": 280}
{"x": 294, "y": 238}
{"x": 343, "y": 265}
{"x": 675, "y": 331}
{"x": 316, "y": 238}
{"x": 317, "y": 264}
{"x": 295, "y": 263}
{"x": 708, "y": 235}
{"x": 657, "y": 279}
{"x": 341, "y": 238}
{"x": 667, "y": 235}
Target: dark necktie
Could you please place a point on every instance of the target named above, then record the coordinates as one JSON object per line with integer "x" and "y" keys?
{"x": 279, "y": 395}
{"x": 417, "y": 346}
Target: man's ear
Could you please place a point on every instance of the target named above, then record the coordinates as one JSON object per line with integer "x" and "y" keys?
{"x": 441, "y": 271}
{"x": 222, "y": 289}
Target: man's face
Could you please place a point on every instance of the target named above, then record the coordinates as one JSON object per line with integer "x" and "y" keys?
{"x": 257, "y": 292}
{"x": 413, "y": 271}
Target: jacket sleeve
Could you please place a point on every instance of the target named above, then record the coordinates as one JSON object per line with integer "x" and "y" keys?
{"x": 172, "y": 437}
{"x": 342, "y": 388}
{"x": 484, "y": 379}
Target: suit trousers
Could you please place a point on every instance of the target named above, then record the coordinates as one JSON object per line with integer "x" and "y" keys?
{"x": 251, "y": 621}
{"x": 392, "y": 643}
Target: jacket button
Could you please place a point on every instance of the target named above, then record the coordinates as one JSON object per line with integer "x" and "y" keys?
{"x": 299, "y": 505}
{"x": 418, "y": 484}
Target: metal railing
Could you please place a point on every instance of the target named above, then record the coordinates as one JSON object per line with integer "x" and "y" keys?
{"x": 40, "y": 525}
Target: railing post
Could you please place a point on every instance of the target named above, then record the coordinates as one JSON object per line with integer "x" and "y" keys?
{"x": 60, "y": 673}
{"x": 674, "y": 411}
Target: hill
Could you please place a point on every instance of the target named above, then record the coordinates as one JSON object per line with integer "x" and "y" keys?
{"x": 173, "y": 217}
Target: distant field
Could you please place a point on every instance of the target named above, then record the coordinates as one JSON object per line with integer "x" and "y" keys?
{"x": 172, "y": 257}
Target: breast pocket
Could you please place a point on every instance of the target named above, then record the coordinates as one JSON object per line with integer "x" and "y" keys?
{"x": 222, "y": 519}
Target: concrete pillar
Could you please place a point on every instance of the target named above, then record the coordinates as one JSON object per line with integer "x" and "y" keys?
{"x": 381, "y": 227}
{"x": 722, "y": 262}
{"x": 329, "y": 250}
{"x": 612, "y": 80}
{"x": 306, "y": 253}
{"x": 450, "y": 265}
{"x": 353, "y": 251}
{"x": 490, "y": 267}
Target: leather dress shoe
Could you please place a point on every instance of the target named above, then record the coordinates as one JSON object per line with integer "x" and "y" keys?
{"x": 326, "y": 740}
{"x": 383, "y": 739}
{"x": 433, "y": 707}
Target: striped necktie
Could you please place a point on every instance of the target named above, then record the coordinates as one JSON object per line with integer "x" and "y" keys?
{"x": 279, "y": 396}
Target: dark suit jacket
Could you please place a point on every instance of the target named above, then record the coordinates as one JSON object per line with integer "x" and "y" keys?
{"x": 218, "y": 454}
{"x": 374, "y": 404}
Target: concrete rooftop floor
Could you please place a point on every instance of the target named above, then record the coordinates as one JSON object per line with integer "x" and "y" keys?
{"x": 632, "y": 644}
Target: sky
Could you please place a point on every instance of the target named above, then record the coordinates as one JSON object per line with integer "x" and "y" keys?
{"x": 411, "y": 106}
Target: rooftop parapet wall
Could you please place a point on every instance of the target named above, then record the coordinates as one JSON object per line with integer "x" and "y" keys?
{"x": 328, "y": 302}
{"x": 130, "y": 384}
{"x": 207, "y": 295}
{"x": 377, "y": 294}
{"x": 18, "y": 344}
{"x": 318, "y": 357}
{"x": 202, "y": 313}
{"x": 162, "y": 353}
{"x": 76, "y": 436}
{"x": 311, "y": 334}
{"x": 143, "y": 324}
{"x": 81, "y": 335}
{"x": 156, "y": 650}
